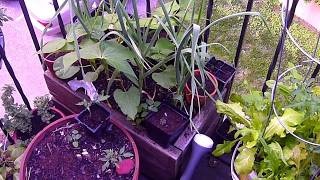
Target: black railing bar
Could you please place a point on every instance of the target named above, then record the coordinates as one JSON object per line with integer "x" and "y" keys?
{"x": 240, "y": 44}
{"x": 208, "y": 20}
{"x": 278, "y": 49}
{"x": 14, "y": 78}
{"x": 316, "y": 70}
{"x": 31, "y": 29}
{"x": 60, "y": 21}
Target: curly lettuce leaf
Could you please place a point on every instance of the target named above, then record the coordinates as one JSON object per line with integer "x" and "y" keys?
{"x": 233, "y": 111}
{"x": 290, "y": 118}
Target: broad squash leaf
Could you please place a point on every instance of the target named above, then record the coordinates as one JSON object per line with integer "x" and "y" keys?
{"x": 233, "y": 111}
{"x": 244, "y": 161}
{"x": 167, "y": 78}
{"x": 290, "y": 118}
{"x": 89, "y": 52}
{"x": 53, "y": 46}
{"x": 224, "y": 148}
{"x": 128, "y": 101}
{"x": 117, "y": 56}
{"x": 64, "y": 73}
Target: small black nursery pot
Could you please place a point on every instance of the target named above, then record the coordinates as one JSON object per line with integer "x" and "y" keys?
{"x": 165, "y": 125}
{"x": 222, "y": 71}
{"x": 222, "y": 132}
{"x": 95, "y": 119}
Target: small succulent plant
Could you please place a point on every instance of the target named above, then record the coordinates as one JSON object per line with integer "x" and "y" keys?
{"x": 74, "y": 138}
{"x": 42, "y": 104}
{"x": 17, "y": 116}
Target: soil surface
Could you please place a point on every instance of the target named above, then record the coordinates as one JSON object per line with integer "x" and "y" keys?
{"x": 168, "y": 120}
{"x": 55, "y": 158}
{"x": 95, "y": 117}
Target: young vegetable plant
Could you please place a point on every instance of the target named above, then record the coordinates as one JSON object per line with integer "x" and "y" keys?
{"x": 266, "y": 147}
{"x": 113, "y": 157}
{"x": 42, "y": 104}
{"x": 74, "y": 138}
{"x": 17, "y": 116}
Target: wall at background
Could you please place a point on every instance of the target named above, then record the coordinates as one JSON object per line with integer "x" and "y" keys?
{"x": 21, "y": 53}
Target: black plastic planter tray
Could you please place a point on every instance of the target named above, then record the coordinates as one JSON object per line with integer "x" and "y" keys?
{"x": 222, "y": 70}
{"x": 222, "y": 134}
{"x": 166, "y": 125}
{"x": 1, "y": 44}
{"x": 99, "y": 117}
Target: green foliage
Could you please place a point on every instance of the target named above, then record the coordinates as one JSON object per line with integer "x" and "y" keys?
{"x": 74, "y": 138}
{"x": 259, "y": 45}
{"x": 17, "y": 116}
{"x": 10, "y": 161}
{"x": 267, "y": 148}
{"x": 4, "y": 17}
{"x": 113, "y": 157}
{"x": 128, "y": 101}
{"x": 166, "y": 78}
{"x": 42, "y": 104}
{"x": 145, "y": 108}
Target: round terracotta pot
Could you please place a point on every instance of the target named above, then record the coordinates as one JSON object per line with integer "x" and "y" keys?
{"x": 202, "y": 98}
{"x": 53, "y": 126}
{"x": 34, "y": 111}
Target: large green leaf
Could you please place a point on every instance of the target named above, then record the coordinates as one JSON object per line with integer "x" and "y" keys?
{"x": 244, "y": 161}
{"x": 167, "y": 78}
{"x": 64, "y": 73}
{"x": 128, "y": 101}
{"x": 290, "y": 118}
{"x": 117, "y": 56}
{"x": 233, "y": 111}
{"x": 249, "y": 136}
{"x": 224, "y": 148}
{"x": 88, "y": 52}
{"x": 53, "y": 46}
{"x": 79, "y": 32}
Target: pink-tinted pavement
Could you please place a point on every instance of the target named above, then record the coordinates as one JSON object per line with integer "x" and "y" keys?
{"x": 309, "y": 12}
{"x": 21, "y": 53}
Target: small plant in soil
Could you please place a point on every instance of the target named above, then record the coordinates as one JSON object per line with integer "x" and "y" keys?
{"x": 74, "y": 138}
{"x": 145, "y": 108}
{"x": 17, "y": 116}
{"x": 95, "y": 116}
{"x": 113, "y": 157}
{"x": 42, "y": 104}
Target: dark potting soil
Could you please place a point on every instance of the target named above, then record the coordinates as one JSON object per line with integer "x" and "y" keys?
{"x": 94, "y": 118}
{"x": 209, "y": 86}
{"x": 37, "y": 125}
{"x": 167, "y": 120}
{"x": 55, "y": 158}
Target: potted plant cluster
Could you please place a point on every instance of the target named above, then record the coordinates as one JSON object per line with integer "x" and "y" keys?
{"x": 282, "y": 146}
{"x": 87, "y": 145}
{"x": 150, "y": 67}
{"x": 22, "y": 122}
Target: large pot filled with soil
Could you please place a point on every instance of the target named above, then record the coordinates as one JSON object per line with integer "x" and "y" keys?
{"x": 67, "y": 150}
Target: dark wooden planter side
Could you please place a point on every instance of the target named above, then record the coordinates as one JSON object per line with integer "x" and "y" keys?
{"x": 156, "y": 162}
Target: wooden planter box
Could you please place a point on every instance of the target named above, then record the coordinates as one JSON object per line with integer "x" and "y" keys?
{"x": 155, "y": 161}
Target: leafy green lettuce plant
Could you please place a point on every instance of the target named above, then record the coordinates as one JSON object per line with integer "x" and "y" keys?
{"x": 266, "y": 147}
